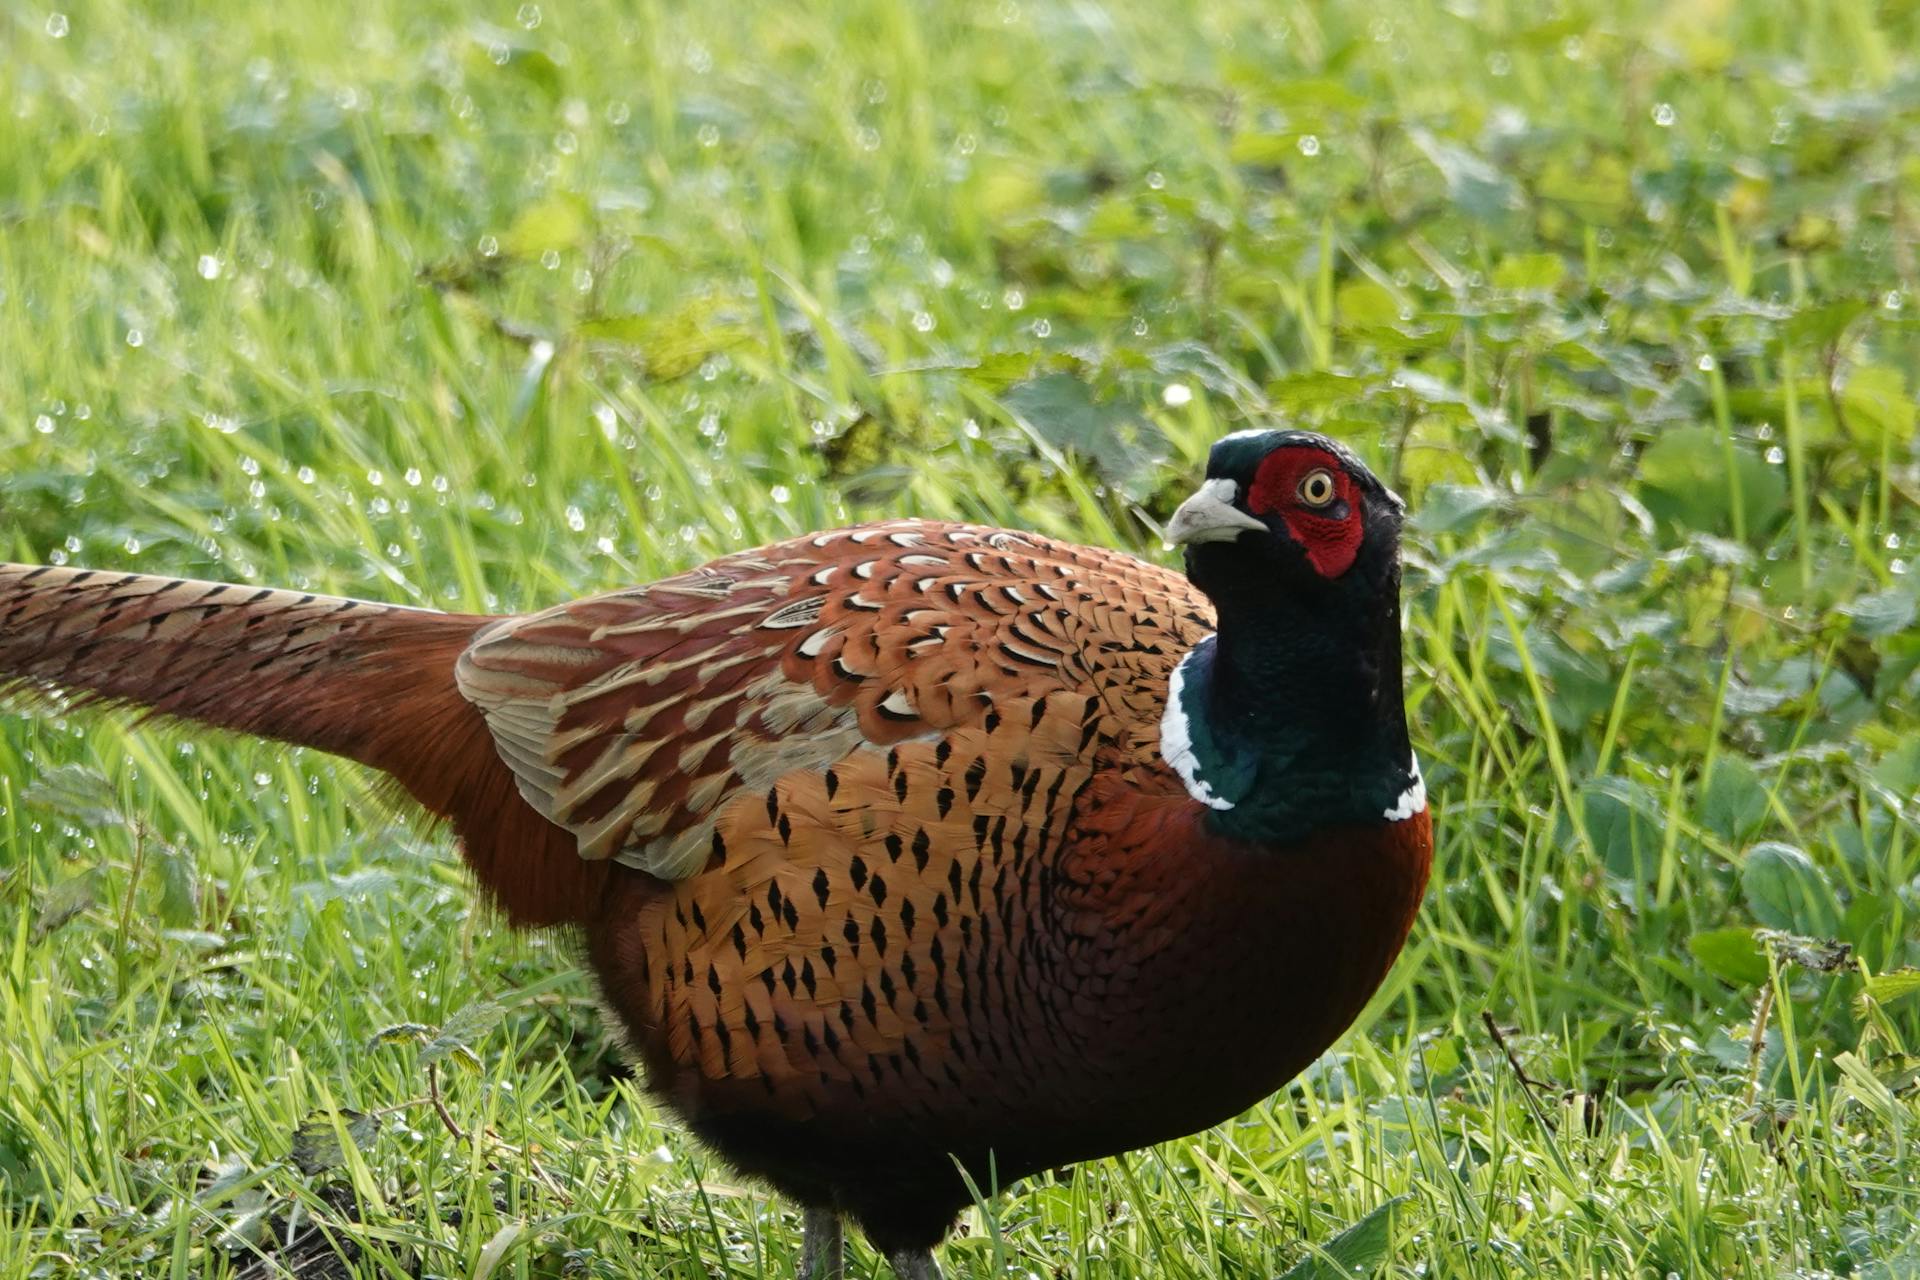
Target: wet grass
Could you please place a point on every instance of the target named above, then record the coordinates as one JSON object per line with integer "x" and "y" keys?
{"x": 489, "y": 311}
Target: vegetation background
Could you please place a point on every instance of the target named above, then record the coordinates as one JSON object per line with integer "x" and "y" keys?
{"x": 487, "y": 306}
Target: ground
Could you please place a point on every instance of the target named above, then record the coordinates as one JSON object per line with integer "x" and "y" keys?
{"x": 488, "y": 311}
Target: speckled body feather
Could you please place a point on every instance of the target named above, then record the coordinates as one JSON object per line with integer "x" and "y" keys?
{"x": 869, "y": 834}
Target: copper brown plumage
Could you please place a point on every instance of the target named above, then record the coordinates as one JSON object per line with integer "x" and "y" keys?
{"x": 874, "y": 835}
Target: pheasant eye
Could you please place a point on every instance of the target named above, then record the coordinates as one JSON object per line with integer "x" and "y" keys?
{"x": 1316, "y": 488}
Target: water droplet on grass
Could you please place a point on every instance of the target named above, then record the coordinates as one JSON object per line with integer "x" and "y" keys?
{"x": 57, "y": 25}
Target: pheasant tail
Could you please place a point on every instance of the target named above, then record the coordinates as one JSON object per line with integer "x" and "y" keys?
{"x": 370, "y": 682}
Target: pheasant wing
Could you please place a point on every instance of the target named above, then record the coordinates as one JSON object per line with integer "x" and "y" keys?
{"x": 634, "y": 719}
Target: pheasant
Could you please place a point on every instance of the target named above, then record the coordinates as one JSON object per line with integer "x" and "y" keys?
{"x": 901, "y": 849}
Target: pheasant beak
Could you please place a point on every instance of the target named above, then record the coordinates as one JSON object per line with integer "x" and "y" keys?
{"x": 1210, "y": 516}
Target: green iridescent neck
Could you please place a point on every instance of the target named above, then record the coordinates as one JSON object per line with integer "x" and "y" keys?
{"x": 1282, "y": 729}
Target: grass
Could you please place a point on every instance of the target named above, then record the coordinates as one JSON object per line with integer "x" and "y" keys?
{"x": 490, "y": 311}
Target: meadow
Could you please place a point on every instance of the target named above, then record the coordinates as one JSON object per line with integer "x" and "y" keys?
{"x": 484, "y": 307}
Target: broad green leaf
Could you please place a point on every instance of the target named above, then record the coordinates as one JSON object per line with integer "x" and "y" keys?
{"x": 77, "y": 792}
{"x": 1884, "y": 613}
{"x": 1899, "y": 770}
{"x": 1786, "y": 890}
{"x": 400, "y": 1033}
{"x": 1263, "y": 150}
{"x": 508, "y": 51}
{"x": 676, "y": 342}
{"x": 1065, "y": 413}
{"x": 461, "y": 1031}
{"x": 179, "y": 899}
{"x": 67, "y": 899}
{"x": 316, "y": 1143}
{"x": 558, "y": 223}
{"x": 998, "y": 370}
{"x": 1480, "y": 190}
{"x": 1878, "y": 410}
{"x": 1815, "y": 328}
{"x": 1732, "y": 954}
{"x": 1357, "y": 1251}
{"x": 1891, "y": 986}
{"x": 1623, "y": 821}
{"x": 1530, "y": 272}
{"x": 1450, "y": 508}
{"x": 1684, "y": 480}
{"x": 1363, "y": 304}
{"x": 1313, "y": 389}
{"x": 1733, "y": 803}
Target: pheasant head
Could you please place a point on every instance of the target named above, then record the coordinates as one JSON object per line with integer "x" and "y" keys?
{"x": 1291, "y": 719}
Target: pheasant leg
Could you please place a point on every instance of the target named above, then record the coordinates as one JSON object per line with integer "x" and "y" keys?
{"x": 914, "y": 1264}
{"x": 823, "y": 1251}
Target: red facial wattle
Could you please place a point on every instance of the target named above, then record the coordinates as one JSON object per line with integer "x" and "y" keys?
{"x": 1329, "y": 535}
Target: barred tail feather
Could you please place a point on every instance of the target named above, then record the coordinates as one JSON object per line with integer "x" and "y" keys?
{"x": 370, "y": 682}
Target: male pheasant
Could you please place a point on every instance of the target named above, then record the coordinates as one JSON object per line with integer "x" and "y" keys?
{"x": 897, "y": 845}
